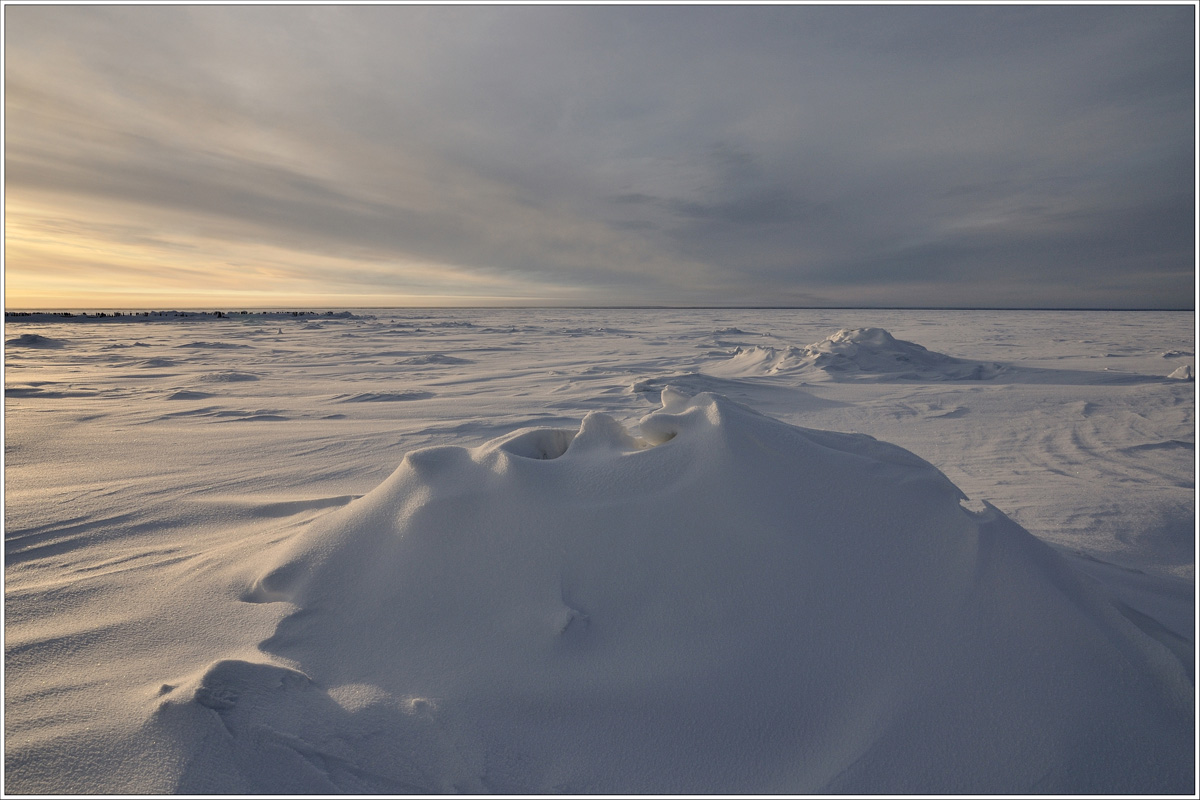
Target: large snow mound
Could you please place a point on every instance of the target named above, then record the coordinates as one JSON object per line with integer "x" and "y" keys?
{"x": 709, "y": 601}
{"x": 855, "y": 353}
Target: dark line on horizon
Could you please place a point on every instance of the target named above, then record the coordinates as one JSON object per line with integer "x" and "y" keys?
{"x": 318, "y": 309}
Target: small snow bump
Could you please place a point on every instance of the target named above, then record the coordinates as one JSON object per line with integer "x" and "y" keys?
{"x": 228, "y": 376}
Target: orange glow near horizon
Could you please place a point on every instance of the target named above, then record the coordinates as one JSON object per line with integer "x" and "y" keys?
{"x": 55, "y": 260}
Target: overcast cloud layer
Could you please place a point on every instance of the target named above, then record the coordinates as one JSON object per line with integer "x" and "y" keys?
{"x": 802, "y": 155}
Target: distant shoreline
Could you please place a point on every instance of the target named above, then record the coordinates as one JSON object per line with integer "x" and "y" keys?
{"x": 344, "y": 312}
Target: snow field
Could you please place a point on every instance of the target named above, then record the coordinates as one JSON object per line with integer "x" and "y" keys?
{"x": 590, "y": 571}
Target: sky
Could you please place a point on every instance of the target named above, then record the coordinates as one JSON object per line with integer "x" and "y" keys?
{"x": 393, "y": 155}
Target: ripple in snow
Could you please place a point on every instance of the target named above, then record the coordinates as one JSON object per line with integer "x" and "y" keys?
{"x": 382, "y": 397}
{"x": 228, "y": 377}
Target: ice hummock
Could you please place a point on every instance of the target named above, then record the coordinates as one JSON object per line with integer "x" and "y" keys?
{"x": 1183, "y": 373}
{"x": 709, "y": 601}
{"x": 855, "y": 353}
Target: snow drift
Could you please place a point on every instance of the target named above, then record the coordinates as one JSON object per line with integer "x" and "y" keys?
{"x": 711, "y": 601}
{"x": 855, "y": 353}
{"x": 34, "y": 340}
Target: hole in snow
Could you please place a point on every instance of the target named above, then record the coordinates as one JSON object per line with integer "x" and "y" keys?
{"x": 543, "y": 443}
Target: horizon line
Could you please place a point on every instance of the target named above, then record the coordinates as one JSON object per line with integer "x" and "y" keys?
{"x": 306, "y": 308}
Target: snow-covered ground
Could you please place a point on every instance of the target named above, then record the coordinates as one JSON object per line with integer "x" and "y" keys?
{"x": 601, "y": 551}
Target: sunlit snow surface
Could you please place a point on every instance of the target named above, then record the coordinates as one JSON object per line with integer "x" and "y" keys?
{"x": 601, "y": 551}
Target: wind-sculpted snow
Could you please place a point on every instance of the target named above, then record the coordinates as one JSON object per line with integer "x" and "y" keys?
{"x": 383, "y": 397}
{"x": 432, "y": 359}
{"x": 856, "y": 353}
{"x": 214, "y": 345}
{"x": 1183, "y": 373}
{"x": 212, "y": 584}
{"x": 711, "y": 601}
{"x": 34, "y": 340}
{"x": 228, "y": 376}
{"x": 874, "y": 355}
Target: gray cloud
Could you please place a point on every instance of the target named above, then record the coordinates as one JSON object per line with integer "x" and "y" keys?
{"x": 633, "y": 153}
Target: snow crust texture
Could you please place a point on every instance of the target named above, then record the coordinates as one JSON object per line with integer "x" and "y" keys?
{"x": 714, "y": 601}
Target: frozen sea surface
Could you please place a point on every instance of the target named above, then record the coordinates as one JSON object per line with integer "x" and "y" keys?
{"x": 601, "y": 551}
